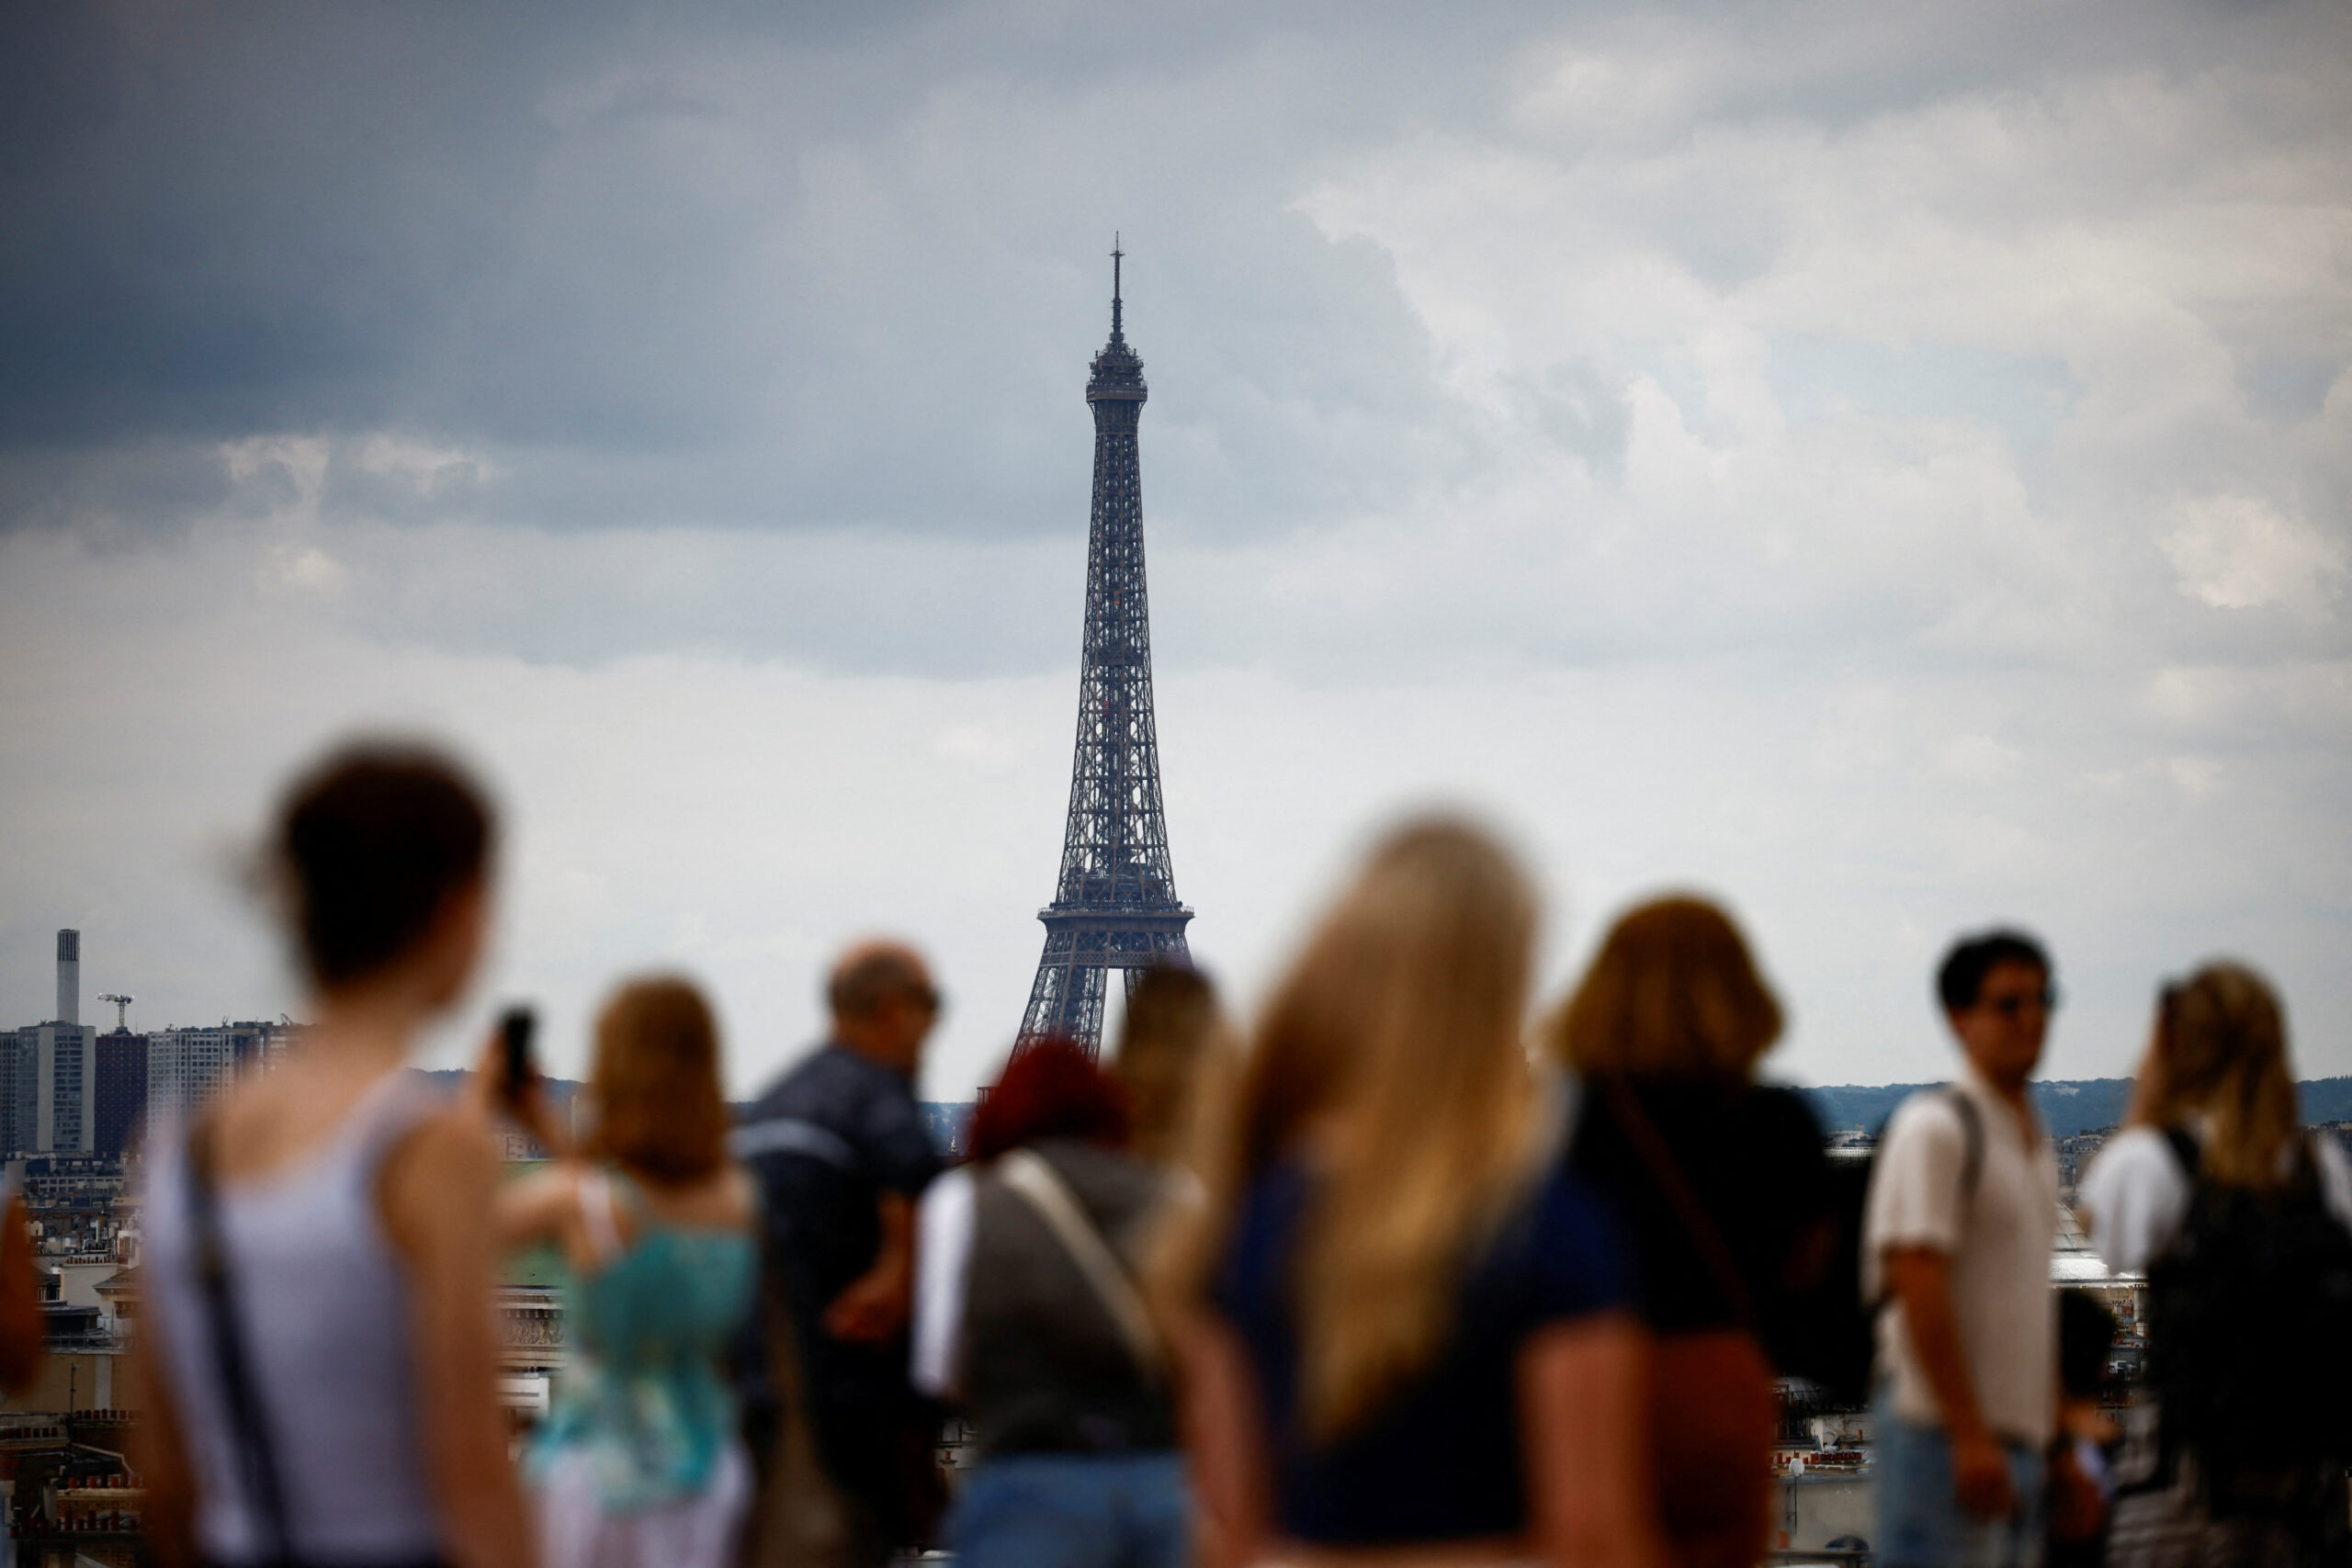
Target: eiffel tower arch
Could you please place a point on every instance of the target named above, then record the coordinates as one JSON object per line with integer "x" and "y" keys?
{"x": 1114, "y": 903}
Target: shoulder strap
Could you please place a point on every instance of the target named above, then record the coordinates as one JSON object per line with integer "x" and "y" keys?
{"x": 2185, "y": 1149}
{"x": 256, "y": 1456}
{"x": 1688, "y": 1206}
{"x": 1026, "y": 1174}
{"x": 1972, "y": 1134}
{"x": 597, "y": 1202}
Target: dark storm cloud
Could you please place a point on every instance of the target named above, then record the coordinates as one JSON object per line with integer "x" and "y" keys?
{"x": 833, "y": 265}
{"x": 840, "y": 266}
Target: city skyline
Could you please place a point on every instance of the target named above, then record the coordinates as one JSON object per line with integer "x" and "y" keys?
{"x": 1891, "y": 472}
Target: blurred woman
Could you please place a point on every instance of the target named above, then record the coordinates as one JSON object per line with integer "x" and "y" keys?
{"x": 639, "y": 1465}
{"x": 1028, "y": 1316}
{"x": 1177, "y": 1056}
{"x": 2239, "y": 1221}
{"x": 1721, "y": 1185}
{"x": 320, "y": 1357}
{"x": 1403, "y": 1324}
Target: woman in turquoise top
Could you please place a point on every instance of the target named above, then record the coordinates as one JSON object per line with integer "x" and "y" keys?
{"x": 638, "y": 1465}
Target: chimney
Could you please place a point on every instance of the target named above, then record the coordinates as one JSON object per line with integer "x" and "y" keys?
{"x": 69, "y": 977}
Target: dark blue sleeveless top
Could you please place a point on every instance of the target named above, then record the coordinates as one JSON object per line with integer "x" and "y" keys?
{"x": 1440, "y": 1459}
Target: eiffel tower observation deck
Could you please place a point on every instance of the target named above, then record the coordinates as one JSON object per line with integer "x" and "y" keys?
{"x": 1114, "y": 905}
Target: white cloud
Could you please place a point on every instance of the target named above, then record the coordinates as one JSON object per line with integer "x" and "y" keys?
{"x": 302, "y": 569}
{"x": 424, "y": 466}
{"x": 2238, "y": 552}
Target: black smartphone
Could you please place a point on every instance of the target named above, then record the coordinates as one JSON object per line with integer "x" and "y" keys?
{"x": 516, "y": 1028}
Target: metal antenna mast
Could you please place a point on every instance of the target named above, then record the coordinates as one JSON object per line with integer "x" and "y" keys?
{"x": 1114, "y": 906}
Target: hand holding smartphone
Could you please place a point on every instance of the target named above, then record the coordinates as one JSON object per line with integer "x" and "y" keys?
{"x": 516, "y": 1028}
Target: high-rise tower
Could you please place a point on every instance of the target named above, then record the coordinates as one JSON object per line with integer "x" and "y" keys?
{"x": 1115, "y": 904}
{"x": 69, "y": 977}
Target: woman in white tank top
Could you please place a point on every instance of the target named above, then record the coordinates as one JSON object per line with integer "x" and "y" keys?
{"x": 319, "y": 1352}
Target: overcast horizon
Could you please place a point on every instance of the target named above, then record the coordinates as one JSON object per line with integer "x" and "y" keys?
{"x": 1888, "y": 468}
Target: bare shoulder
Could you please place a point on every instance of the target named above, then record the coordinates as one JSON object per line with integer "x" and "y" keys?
{"x": 450, "y": 1142}
{"x": 741, "y": 1196}
{"x": 272, "y": 1120}
{"x": 441, "y": 1173}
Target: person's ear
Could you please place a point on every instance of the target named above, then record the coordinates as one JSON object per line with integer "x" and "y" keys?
{"x": 458, "y": 933}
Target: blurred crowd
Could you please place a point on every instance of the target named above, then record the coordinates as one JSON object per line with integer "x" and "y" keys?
{"x": 1386, "y": 1276}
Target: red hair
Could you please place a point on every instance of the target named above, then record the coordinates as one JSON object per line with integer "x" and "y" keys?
{"x": 1050, "y": 1089}
{"x": 660, "y": 1112}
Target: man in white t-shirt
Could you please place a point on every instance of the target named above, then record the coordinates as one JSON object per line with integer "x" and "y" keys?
{"x": 1957, "y": 1234}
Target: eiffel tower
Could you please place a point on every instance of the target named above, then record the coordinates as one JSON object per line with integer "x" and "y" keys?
{"x": 1115, "y": 904}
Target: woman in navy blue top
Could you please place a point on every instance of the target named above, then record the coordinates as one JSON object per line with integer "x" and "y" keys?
{"x": 1403, "y": 1325}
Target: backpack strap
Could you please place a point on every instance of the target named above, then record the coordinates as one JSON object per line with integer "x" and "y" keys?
{"x": 1972, "y": 1134}
{"x": 1026, "y": 1174}
{"x": 248, "y": 1427}
{"x": 1971, "y": 1166}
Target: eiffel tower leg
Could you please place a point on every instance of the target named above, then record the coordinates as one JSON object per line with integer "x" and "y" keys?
{"x": 1066, "y": 999}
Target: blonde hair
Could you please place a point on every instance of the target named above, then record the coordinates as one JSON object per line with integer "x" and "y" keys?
{"x": 1177, "y": 1053}
{"x": 2224, "y": 1053}
{"x": 1396, "y": 1044}
{"x": 1673, "y": 993}
{"x": 660, "y": 1109}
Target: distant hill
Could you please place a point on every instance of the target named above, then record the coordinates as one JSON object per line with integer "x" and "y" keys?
{"x": 560, "y": 1090}
{"x": 2076, "y": 1105}
{"x": 2067, "y": 1105}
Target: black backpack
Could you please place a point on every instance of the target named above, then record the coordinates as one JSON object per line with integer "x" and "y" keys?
{"x": 2250, "y": 1337}
{"x": 1826, "y": 1333}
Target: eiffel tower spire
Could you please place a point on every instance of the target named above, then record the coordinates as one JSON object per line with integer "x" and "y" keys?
{"x": 1114, "y": 905}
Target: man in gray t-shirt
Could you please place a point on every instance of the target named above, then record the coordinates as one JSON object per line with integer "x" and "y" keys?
{"x": 1957, "y": 1234}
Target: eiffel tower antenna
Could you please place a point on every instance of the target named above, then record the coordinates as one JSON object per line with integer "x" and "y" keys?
{"x": 1114, "y": 904}
{"x": 1118, "y": 337}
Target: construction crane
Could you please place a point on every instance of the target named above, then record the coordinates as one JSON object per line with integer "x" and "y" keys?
{"x": 121, "y": 1011}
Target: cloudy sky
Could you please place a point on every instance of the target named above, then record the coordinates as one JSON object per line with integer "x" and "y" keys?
{"x": 1890, "y": 466}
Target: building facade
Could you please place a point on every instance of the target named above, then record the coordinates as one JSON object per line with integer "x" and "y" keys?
{"x": 189, "y": 1068}
{"x": 119, "y": 1092}
{"x": 46, "y": 1073}
{"x": 46, "y": 1070}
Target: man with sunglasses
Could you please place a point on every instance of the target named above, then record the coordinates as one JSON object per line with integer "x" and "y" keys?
{"x": 1958, "y": 1231}
{"x": 842, "y": 1153}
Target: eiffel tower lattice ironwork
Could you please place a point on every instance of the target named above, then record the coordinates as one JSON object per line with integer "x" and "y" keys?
{"x": 1114, "y": 906}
